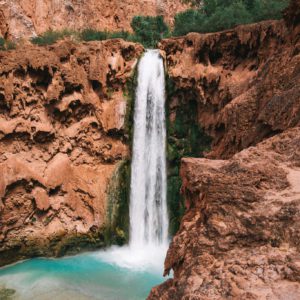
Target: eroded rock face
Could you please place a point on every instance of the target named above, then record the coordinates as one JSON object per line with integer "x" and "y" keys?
{"x": 27, "y": 18}
{"x": 239, "y": 238}
{"x": 62, "y": 136}
{"x": 245, "y": 81}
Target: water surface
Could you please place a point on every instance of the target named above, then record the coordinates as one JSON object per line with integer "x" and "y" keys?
{"x": 117, "y": 274}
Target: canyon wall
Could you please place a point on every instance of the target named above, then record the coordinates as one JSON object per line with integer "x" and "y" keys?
{"x": 237, "y": 80}
{"x": 64, "y": 133}
{"x": 233, "y": 97}
{"x": 28, "y": 18}
{"x": 238, "y": 238}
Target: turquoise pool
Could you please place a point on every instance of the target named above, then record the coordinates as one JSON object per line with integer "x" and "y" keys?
{"x": 98, "y": 275}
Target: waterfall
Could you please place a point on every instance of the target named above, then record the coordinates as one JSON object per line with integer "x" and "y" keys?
{"x": 148, "y": 208}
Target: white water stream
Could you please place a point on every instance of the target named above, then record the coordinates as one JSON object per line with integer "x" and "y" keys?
{"x": 148, "y": 208}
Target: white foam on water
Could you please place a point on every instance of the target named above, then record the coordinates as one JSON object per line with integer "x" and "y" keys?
{"x": 144, "y": 259}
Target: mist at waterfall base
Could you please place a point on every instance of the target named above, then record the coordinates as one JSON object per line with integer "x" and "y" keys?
{"x": 131, "y": 271}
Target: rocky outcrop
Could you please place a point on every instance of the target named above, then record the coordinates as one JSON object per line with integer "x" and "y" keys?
{"x": 62, "y": 137}
{"x": 245, "y": 82}
{"x": 27, "y": 18}
{"x": 239, "y": 238}
{"x": 239, "y": 235}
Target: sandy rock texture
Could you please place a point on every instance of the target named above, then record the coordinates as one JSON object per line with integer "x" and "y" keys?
{"x": 245, "y": 81}
{"x": 239, "y": 237}
{"x": 27, "y": 18}
{"x": 62, "y": 137}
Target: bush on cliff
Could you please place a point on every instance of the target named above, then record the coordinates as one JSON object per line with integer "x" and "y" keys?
{"x": 2, "y": 43}
{"x": 215, "y": 15}
{"x": 6, "y": 45}
{"x": 51, "y": 36}
{"x": 149, "y": 30}
{"x": 95, "y": 35}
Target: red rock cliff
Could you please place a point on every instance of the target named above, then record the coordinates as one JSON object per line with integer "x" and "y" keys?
{"x": 245, "y": 82}
{"x": 62, "y": 137}
{"x": 239, "y": 237}
{"x": 27, "y": 18}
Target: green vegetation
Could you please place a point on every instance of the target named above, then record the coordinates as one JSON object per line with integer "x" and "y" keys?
{"x": 129, "y": 94}
{"x": 94, "y": 35}
{"x": 216, "y": 15}
{"x": 117, "y": 225}
{"x": 147, "y": 31}
{"x": 2, "y": 43}
{"x": 6, "y": 45}
{"x": 207, "y": 16}
{"x": 10, "y": 45}
{"x": 51, "y": 36}
{"x": 185, "y": 138}
{"x": 117, "y": 229}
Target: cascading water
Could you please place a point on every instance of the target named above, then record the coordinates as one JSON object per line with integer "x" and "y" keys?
{"x": 148, "y": 209}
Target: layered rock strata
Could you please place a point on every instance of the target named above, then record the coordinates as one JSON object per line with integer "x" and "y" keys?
{"x": 62, "y": 136}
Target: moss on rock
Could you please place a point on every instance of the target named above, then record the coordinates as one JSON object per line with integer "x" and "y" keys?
{"x": 117, "y": 228}
{"x": 117, "y": 223}
{"x": 185, "y": 138}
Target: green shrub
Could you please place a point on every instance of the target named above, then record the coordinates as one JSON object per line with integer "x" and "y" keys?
{"x": 215, "y": 15}
{"x": 125, "y": 35}
{"x": 149, "y": 30}
{"x": 264, "y": 10}
{"x": 189, "y": 21}
{"x": 10, "y": 45}
{"x": 93, "y": 35}
{"x": 7, "y": 45}
{"x": 51, "y": 36}
{"x": 2, "y": 43}
{"x": 228, "y": 17}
